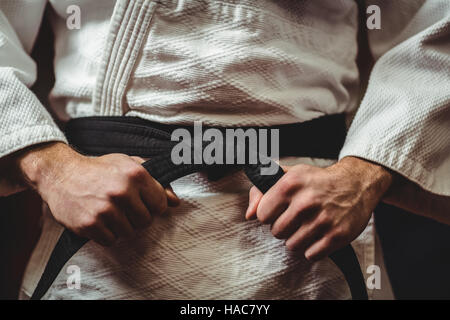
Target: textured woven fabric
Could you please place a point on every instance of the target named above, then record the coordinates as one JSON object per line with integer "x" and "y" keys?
{"x": 23, "y": 120}
{"x": 127, "y": 135}
{"x": 249, "y": 62}
{"x": 404, "y": 119}
{"x": 204, "y": 249}
{"x": 240, "y": 62}
{"x": 231, "y": 62}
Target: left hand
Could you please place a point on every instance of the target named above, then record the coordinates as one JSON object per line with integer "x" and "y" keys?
{"x": 319, "y": 210}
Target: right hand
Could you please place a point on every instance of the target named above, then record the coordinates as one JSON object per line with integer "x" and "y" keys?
{"x": 100, "y": 198}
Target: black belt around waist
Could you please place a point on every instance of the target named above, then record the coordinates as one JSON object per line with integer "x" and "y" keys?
{"x": 318, "y": 138}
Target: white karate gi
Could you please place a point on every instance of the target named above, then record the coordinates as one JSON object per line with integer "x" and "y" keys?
{"x": 229, "y": 62}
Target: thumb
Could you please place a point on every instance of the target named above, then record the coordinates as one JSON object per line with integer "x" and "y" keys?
{"x": 172, "y": 198}
{"x": 254, "y": 198}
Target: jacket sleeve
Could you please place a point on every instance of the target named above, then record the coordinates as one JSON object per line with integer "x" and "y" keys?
{"x": 23, "y": 120}
{"x": 403, "y": 122}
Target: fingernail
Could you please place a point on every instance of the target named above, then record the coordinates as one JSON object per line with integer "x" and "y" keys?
{"x": 309, "y": 256}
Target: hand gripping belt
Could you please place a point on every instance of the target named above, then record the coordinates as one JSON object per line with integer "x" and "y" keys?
{"x": 320, "y": 138}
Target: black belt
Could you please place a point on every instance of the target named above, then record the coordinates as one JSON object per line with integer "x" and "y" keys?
{"x": 319, "y": 138}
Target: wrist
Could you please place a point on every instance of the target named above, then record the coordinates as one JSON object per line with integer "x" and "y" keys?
{"x": 372, "y": 177}
{"x": 40, "y": 165}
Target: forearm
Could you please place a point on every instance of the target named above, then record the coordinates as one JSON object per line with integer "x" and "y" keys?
{"x": 410, "y": 197}
{"x": 24, "y": 121}
{"x": 403, "y": 121}
{"x": 396, "y": 190}
{"x": 399, "y": 191}
{"x": 40, "y": 164}
{"x": 23, "y": 169}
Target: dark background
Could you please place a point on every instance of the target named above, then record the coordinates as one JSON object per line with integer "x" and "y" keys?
{"x": 20, "y": 214}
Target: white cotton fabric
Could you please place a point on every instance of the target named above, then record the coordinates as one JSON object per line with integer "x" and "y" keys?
{"x": 230, "y": 62}
{"x": 23, "y": 120}
{"x": 403, "y": 122}
{"x": 240, "y": 62}
{"x": 204, "y": 249}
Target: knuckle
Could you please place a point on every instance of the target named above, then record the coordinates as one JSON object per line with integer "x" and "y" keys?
{"x": 327, "y": 242}
{"x": 302, "y": 167}
{"x": 136, "y": 172}
{"x": 312, "y": 257}
{"x": 303, "y": 170}
{"x": 324, "y": 220}
{"x": 88, "y": 223}
{"x": 280, "y": 229}
{"x": 305, "y": 203}
{"x": 104, "y": 209}
{"x": 288, "y": 183}
{"x": 337, "y": 236}
{"x": 276, "y": 232}
{"x": 117, "y": 191}
{"x": 312, "y": 197}
{"x": 262, "y": 217}
{"x": 116, "y": 156}
{"x": 291, "y": 246}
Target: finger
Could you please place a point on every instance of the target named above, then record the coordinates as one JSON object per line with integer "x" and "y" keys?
{"x": 153, "y": 195}
{"x": 254, "y": 198}
{"x": 269, "y": 209}
{"x": 119, "y": 224}
{"x": 139, "y": 216}
{"x": 172, "y": 198}
{"x": 290, "y": 220}
{"x": 323, "y": 248}
{"x": 274, "y": 202}
{"x": 100, "y": 234}
{"x": 305, "y": 236}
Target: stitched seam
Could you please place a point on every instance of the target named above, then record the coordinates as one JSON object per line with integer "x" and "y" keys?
{"x": 139, "y": 32}
{"x": 117, "y": 53}
{"x": 119, "y": 12}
